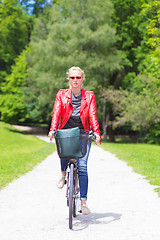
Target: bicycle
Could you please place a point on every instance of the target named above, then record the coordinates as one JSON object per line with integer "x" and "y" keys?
{"x": 72, "y": 144}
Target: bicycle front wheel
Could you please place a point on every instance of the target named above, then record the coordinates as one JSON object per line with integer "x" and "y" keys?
{"x": 76, "y": 197}
{"x": 71, "y": 195}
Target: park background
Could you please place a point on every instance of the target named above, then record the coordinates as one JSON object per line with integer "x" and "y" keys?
{"x": 116, "y": 43}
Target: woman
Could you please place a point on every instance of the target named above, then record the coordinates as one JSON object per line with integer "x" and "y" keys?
{"x": 75, "y": 107}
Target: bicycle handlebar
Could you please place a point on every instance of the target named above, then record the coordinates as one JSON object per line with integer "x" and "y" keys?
{"x": 90, "y": 134}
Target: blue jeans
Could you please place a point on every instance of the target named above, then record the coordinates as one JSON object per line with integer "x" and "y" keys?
{"x": 82, "y": 171}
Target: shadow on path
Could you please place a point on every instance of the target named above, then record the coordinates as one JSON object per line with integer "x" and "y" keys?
{"x": 83, "y": 221}
{"x": 30, "y": 130}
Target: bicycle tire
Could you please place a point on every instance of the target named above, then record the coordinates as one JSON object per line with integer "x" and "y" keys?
{"x": 75, "y": 199}
{"x": 71, "y": 195}
{"x": 74, "y": 207}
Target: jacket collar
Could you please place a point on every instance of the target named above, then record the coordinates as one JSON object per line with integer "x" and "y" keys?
{"x": 83, "y": 101}
{"x": 69, "y": 94}
{"x": 83, "y": 94}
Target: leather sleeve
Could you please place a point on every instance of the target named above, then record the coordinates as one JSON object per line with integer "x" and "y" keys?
{"x": 93, "y": 115}
{"x": 56, "y": 112}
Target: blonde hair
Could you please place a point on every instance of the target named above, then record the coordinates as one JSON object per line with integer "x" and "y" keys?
{"x": 76, "y": 68}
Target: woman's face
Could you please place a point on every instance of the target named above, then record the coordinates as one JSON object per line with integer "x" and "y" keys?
{"x": 75, "y": 79}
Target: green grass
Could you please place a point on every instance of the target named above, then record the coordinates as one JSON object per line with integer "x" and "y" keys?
{"x": 19, "y": 153}
{"x": 143, "y": 158}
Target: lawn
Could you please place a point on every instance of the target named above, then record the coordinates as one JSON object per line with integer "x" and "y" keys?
{"x": 19, "y": 153}
{"x": 143, "y": 158}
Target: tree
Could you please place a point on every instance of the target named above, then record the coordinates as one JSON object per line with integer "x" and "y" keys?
{"x": 13, "y": 109}
{"x": 152, "y": 11}
{"x": 131, "y": 20}
{"x": 72, "y": 36}
{"x": 15, "y": 27}
{"x": 13, "y": 32}
{"x": 127, "y": 22}
{"x": 130, "y": 26}
{"x": 139, "y": 108}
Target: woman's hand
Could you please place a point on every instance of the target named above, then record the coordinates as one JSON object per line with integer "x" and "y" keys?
{"x": 98, "y": 138}
{"x": 50, "y": 135}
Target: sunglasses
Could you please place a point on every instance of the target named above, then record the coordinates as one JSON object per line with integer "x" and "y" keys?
{"x": 77, "y": 77}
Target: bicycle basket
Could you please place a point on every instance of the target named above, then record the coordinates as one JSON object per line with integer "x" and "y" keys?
{"x": 70, "y": 143}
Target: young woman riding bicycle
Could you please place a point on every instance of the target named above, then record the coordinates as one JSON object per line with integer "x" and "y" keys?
{"x": 76, "y": 107}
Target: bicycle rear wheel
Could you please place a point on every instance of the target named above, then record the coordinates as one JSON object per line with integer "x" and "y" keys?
{"x": 71, "y": 189}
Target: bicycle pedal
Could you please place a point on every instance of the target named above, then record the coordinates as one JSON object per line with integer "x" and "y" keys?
{"x": 80, "y": 211}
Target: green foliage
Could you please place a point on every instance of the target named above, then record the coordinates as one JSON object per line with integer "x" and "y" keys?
{"x": 15, "y": 29}
{"x": 130, "y": 26}
{"x": 136, "y": 101}
{"x": 13, "y": 32}
{"x": 12, "y": 105}
{"x": 139, "y": 108}
{"x": 153, "y": 135}
{"x": 144, "y": 158}
{"x": 19, "y": 153}
{"x": 152, "y": 11}
{"x": 118, "y": 50}
{"x": 70, "y": 36}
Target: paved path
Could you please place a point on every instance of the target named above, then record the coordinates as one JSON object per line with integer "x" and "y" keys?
{"x": 123, "y": 204}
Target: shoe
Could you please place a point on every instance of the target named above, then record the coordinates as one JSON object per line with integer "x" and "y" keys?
{"x": 61, "y": 181}
{"x": 85, "y": 210}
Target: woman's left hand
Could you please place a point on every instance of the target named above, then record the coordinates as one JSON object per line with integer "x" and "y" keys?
{"x": 98, "y": 138}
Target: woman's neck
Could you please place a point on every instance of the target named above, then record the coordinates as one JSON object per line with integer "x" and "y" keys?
{"x": 76, "y": 92}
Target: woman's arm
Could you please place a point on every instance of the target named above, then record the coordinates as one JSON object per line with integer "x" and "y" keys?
{"x": 56, "y": 112}
{"x": 93, "y": 119}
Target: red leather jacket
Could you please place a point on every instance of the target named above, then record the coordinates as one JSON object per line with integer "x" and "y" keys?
{"x": 63, "y": 108}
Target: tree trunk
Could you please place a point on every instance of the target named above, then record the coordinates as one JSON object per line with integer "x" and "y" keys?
{"x": 110, "y": 130}
{"x": 111, "y": 134}
{"x": 104, "y": 113}
{"x": 111, "y": 117}
{"x": 107, "y": 123}
{"x": 104, "y": 120}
